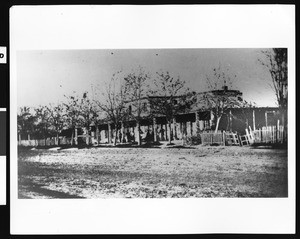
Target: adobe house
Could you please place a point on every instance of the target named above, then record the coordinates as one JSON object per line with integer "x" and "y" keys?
{"x": 196, "y": 120}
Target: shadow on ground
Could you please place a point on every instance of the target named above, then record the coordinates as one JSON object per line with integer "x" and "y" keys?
{"x": 37, "y": 189}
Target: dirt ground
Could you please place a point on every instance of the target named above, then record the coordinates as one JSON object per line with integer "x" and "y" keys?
{"x": 166, "y": 172}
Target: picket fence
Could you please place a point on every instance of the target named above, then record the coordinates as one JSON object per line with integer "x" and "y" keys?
{"x": 41, "y": 142}
{"x": 210, "y": 137}
{"x": 270, "y": 134}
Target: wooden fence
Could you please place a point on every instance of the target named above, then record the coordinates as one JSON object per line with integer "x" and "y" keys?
{"x": 269, "y": 134}
{"x": 222, "y": 138}
{"x": 42, "y": 142}
{"x": 210, "y": 137}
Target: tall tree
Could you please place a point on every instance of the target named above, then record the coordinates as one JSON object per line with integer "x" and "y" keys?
{"x": 57, "y": 118}
{"x": 136, "y": 88}
{"x": 220, "y": 100}
{"x": 169, "y": 97}
{"x": 114, "y": 103}
{"x": 73, "y": 114}
{"x": 26, "y": 122}
{"x": 276, "y": 62}
{"x": 43, "y": 121}
{"x": 87, "y": 114}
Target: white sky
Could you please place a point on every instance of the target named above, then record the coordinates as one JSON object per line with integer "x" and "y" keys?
{"x": 43, "y": 77}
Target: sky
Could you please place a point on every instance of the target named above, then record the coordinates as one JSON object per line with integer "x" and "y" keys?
{"x": 45, "y": 76}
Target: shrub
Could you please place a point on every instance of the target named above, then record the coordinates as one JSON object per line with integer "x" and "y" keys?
{"x": 194, "y": 140}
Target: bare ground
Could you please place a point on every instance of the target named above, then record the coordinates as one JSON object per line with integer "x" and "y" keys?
{"x": 212, "y": 171}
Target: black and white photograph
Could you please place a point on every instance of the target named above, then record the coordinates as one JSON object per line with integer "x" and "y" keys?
{"x": 152, "y": 123}
{"x": 152, "y": 119}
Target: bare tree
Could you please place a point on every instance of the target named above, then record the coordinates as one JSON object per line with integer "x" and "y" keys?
{"x": 26, "y": 122}
{"x": 136, "y": 88}
{"x": 220, "y": 100}
{"x": 87, "y": 114}
{"x": 276, "y": 63}
{"x": 114, "y": 103}
{"x": 57, "y": 118}
{"x": 43, "y": 121}
{"x": 73, "y": 114}
{"x": 170, "y": 97}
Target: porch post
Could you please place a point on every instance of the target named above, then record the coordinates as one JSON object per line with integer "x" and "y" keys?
{"x": 253, "y": 119}
{"x": 197, "y": 123}
{"x": 76, "y": 136}
{"x": 181, "y": 130}
{"x": 230, "y": 120}
{"x": 154, "y": 129}
{"x": 174, "y": 128}
{"x": 123, "y": 132}
{"x": 97, "y": 133}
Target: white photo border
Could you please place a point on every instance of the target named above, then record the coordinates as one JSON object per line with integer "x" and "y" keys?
{"x": 164, "y": 26}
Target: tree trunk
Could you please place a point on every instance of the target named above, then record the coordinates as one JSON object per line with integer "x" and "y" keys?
{"x": 154, "y": 130}
{"x": 174, "y": 129}
{"x": 138, "y": 133}
{"x": 76, "y": 136}
{"x": 169, "y": 132}
{"x": 184, "y": 133}
{"x": 197, "y": 124}
{"x": 109, "y": 134}
{"x": 87, "y": 139}
{"x": 115, "y": 136}
{"x": 217, "y": 125}
{"x": 122, "y": 140}
{"x": 97, "y": 134}
{"x": 57, "y": 138}
{"x": 72, "y": 138}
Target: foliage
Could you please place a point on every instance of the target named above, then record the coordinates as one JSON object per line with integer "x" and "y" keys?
{"x": 57, "y": 118}
{"x": 72, "y": 110}
{"x": 87, "y": 111}
{"x": 43, "y": 115}
{"x": 276, "y": 62}
{"x": 82, "y": 112}
{"x": 169, "y": 97}
{"x": 195, "y": 140}
{"x": 220, "y": 100}
{"x": 136, "y": 88}
{"x": 114, "y": 103}
{"x": 25, "y": 121}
